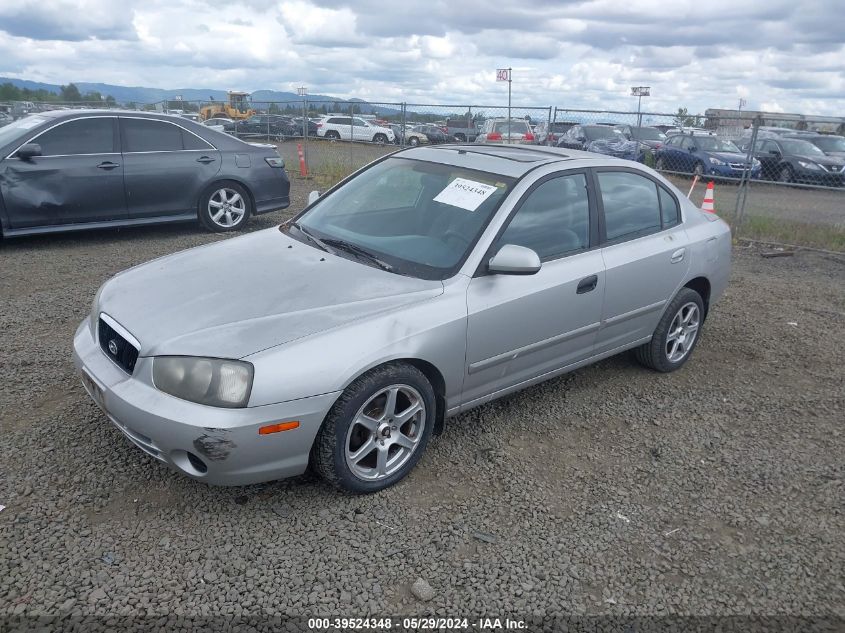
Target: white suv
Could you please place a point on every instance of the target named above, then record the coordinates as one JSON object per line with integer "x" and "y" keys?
{"x": 353, "y": 128}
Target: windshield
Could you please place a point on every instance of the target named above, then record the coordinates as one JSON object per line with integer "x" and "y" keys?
{"x": 830, "y": 143}
{"x": 647, "y": 134}
{"x": 9, "y": 133}
{"x": 803, "y": 148}
{"x": 421, "y": 218}
{"x": 713, "y": 144}
{"x": 599, "y": 131}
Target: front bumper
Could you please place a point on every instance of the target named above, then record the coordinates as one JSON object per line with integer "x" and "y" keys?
{"x": 726, "y": 171}
{"x": 210, "y": 444}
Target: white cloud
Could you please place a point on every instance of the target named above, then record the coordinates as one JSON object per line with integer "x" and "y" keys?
{"x": 573, "y": 53}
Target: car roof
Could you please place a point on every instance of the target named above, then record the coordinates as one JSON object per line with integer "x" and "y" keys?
{"x": 507, "y": 160}
{"x": 73, "y": 114}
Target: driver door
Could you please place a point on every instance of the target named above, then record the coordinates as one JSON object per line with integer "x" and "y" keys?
{"x": 523, "y": 326}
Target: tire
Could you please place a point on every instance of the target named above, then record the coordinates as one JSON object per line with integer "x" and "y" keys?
{"x": 343, "y": 437}
{"x": 660, "y": 165}
{"x": 332, "y": 135}
{"x": 460, "y": 138}
{"x": 657, "y": 353}
{"x": 786, "y": 175}
{"x": 413, "y": 141}
{"x": 227, "y": 201}
{"x": 380, "y": 138}
{"x": 698, "y": 170}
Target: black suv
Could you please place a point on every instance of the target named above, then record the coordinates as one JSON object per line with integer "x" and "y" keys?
{"x": 798, "y": 160}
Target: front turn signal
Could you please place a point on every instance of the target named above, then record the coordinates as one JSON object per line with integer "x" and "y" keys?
{"x": 278, "y": 428}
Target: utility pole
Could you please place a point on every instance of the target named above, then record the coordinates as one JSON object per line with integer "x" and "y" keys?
{"x": 640, "y": 92}
{"x": 302, "y": 91}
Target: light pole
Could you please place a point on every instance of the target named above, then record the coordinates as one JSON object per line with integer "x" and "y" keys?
{"x": 640, "y": 92}
{"x": 302, "y": 91}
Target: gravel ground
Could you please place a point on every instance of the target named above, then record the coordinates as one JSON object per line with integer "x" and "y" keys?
{"x": 716, "y": 490}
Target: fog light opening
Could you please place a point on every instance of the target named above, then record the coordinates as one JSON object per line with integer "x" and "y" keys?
{"x": 189, "y": 463}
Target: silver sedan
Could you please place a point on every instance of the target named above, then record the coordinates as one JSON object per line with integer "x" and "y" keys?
{"x": 430, "y": 282}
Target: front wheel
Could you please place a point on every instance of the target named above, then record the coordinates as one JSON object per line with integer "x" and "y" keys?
{"x": 698, "y": 170}
{"x": 676, "y": 335}
{"x": 225, "y": 206}
{"x": 413, "y": 141}
{"x": 380, "y": 138}
{"x": 786, "y": 175}
{"x": 660, "y": 165}
{"x": 377, "y": 430}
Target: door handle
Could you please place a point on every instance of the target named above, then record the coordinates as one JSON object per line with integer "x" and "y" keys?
{"x": 107, "y": 165}
{"x": 678, "y": 255}
{"x": 205, "y": 160}
{"x": 587, "y": 284}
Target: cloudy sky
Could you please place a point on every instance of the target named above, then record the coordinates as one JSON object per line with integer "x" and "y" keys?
{"x": 780, "y": 55}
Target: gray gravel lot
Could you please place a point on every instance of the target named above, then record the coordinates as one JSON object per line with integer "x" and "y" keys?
{"x": 716, "y": 490}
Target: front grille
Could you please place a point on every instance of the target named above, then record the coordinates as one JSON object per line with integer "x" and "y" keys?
{"x": 737, "y": 166}
{"x": 116, "y": 347}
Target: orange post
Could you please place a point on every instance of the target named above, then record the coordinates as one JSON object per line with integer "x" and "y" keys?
{"x": 707, "y": 204}
{"x": 303, "y": 169}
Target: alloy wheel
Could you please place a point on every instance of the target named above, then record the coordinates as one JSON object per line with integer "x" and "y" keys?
{"x": 385, "y": 432}
{"x": 226, "y": 207}
{"x": 682, "y": 332}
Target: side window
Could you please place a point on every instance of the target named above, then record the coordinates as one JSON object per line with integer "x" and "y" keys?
{"x": 670, "y": 213}
{"x": 554, "y": 219}
{"x": 192, "y": 141}
{"x": 631, "y": 207}
{"x": 360, "y": 122}
{"x": 83, "y": 136}
{"x": 148, "y": 135}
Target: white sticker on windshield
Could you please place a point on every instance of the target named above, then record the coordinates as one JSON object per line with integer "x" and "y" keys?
{"x": 466, "y": 194}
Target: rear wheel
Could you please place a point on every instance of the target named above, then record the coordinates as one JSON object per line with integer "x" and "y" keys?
{"x": 333, "y": 135}
{"x": 676, "y": 335}
{"x": 225, "y": 206}
{"x": 413, "y": 141}
{"x": 377, "y": 430}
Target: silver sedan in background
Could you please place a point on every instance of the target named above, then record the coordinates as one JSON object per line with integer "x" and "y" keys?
{"x": 430, "y": 282}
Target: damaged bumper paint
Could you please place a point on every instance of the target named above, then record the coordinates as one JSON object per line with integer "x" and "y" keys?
{"x": 217, "y": 446}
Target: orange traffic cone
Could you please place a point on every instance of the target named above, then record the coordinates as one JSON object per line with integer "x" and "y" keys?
{"x": 707, "y": 204}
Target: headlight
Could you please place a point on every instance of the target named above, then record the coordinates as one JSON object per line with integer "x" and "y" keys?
{"x": 94, "y": 316}
{"x": 716, "y": 161}
{"x": 212, "y": 381}
{"x": 808, "y": 165}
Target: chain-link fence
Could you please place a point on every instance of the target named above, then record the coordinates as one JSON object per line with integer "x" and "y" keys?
{"x": 777, "y": 177}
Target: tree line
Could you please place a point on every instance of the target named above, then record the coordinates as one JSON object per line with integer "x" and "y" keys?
{"x": 67, "y": 94}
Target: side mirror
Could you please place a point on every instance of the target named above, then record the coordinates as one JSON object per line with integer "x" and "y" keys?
{"x": 312, "y": 197}
{"x": 29, "y": 151}
{"x": 514, "y": 260}
{"x": 774, "y": 152}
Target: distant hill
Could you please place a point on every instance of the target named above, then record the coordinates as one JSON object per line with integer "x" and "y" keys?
{"x": 141, "y": 95}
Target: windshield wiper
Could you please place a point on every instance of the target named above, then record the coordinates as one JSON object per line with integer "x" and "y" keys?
{"x": 311, "y": 237}
{"x": 360, "y": 251}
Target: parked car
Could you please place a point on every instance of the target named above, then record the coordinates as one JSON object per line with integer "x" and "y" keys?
{"x": 78, "y": 169}
{"x": 618, "y": 147}
{"x": 311, "y": 126}
{"x": 353, "y": 128}
{"x": 703, "y": 155}
{"x": 464, "y": 130}
{"x": 412, "y": 136}
{"x": 268, "y": 125}
{"x": 432, "y": 133}
{"x": 5, "y": 119}
{"x": 549, "y": 135}
{"x": 830, "y": 144}
{"x": 579, "y": 136}
{"x": 362, "y": 326}
{"x": 502, "y": 131}
{"x": 796, "y": 160}
{"x": 649, "y": 137}
{"x": 226, "y": 125}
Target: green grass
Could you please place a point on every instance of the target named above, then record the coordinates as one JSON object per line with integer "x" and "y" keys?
{"x": 758, "y": 227}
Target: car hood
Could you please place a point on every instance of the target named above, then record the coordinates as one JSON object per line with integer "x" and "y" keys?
{"x": 822, "y": 160}
{"x": 239, "y": 296}
{"x": 836, "y": 154}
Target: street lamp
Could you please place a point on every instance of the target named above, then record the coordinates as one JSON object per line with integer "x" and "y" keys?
{"x": 640, "y": 92}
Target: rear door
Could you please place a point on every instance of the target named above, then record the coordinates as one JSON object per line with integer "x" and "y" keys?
{"x": 78, "y": 177}
{"x": 645, "y": 254}
{"x": 166, "y": 167}
{"x": 522, "y": 326}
